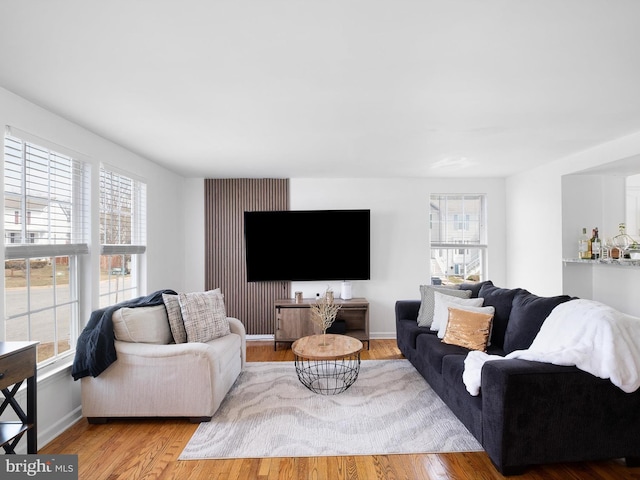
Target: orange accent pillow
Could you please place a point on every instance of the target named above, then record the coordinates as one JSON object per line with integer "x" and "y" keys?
{"x": 468, "y": 329}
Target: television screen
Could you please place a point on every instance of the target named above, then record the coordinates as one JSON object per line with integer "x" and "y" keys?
{"x": 307, "y": 245}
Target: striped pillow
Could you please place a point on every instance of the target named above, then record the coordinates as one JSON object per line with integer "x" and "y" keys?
{"x": 425, "y": 314}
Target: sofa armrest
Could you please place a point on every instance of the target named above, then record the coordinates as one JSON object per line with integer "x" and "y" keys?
{"x": 151, "y": 350}
{"x": 535, "y": 413}
{"x": 237, "y": 327}
{"x": 407, "y": 309}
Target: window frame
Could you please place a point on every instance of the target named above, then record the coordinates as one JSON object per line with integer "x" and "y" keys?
{"x": 53, "y": 243}
{"x": 129, "y": 281}
{"x": 460, "y": 223}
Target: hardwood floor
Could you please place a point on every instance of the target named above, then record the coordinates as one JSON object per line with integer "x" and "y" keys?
{"x": 149, "y": 449}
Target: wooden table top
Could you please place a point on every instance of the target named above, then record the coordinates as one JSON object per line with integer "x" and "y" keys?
{"x": 9, "y": 348}
{"x": 326, "y": 347}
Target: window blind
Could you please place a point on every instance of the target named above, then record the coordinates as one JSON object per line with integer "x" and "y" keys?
{"x": 46, "y": 197}
{"x": 122, "y": 213}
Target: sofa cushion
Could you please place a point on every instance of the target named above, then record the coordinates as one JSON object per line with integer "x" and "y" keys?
{"x": 466, "y": 407}
{"x": 432, "y": 351}
{"x": 176, "y": 323}
{"x": 142, "y": 325}
{"x": 528, "y": 313}
{"x": 501, "y": 299}
{"x": 475, "y": 287}
{"x": 441, "y": 309}
{"x": 408, "y": 331}
{"x": 425, "y": 314}
{"x": 488, "y": 309}
{"x": 468, "y": 329}
{"x": 175, "y": 318}
{"x": 204, "y": 315}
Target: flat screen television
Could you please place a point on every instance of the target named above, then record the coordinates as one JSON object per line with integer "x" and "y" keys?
{"x": 307, "y": 245}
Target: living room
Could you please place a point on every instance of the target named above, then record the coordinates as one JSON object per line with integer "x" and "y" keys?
{"x": 532, "y": 208}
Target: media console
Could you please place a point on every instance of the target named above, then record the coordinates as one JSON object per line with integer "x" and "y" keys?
{"x": 293, "y": 319}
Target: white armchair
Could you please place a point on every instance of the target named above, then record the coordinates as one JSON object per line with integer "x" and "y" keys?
{"x": 166, "y": 380}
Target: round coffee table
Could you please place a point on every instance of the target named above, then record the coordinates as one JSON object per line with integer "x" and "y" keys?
{"x": 327, "y": 364}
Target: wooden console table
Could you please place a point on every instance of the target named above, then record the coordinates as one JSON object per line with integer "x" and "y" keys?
{"x": 293, "y": 320}
{"x": 18, "y": 363}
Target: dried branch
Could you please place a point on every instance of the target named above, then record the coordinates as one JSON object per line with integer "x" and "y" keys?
{"x": 324, "y": 312}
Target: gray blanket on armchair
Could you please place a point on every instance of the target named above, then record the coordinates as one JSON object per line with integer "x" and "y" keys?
{"x": 95, "y": 349}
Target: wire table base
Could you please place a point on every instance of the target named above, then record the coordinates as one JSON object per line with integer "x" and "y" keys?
{"x": 328, "y": 377}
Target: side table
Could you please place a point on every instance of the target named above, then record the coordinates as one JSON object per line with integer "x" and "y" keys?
{"x": 18, "y": 363}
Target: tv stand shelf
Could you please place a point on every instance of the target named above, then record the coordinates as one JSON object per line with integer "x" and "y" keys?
{"x": 293, "y": 319}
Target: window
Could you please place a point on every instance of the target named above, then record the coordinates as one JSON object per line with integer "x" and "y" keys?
{"x": 47, "y": 187}
{"x": 122, "y": 236}
{"x": 461, "y": 222}
{"x": 458, "y": 220}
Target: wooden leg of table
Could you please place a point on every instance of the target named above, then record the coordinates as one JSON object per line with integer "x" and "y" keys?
{"x": 32, "y": 415}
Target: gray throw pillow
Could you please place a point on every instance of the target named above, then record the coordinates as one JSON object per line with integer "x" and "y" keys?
{"x": 204, "y": 316}
{"x": 425, "y": 313}
{"x": 175, "y": 318}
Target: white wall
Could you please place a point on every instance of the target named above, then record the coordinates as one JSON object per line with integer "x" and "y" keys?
{"x": 399, "y": 234}
{"x": 539, "y": 230}
{"x": 193, "y": 233}
{"x": 58, "y": 394}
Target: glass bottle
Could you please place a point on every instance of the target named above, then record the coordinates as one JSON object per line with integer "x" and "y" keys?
{"x": 622, "y": 242}
{"x": 595, "y": 245}
{"x": 583, "y": 246}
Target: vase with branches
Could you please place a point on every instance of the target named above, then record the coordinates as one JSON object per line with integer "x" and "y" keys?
{"x": 323, "y": 313}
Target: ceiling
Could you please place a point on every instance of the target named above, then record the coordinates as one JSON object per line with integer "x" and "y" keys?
{"x": 332, "y": 88}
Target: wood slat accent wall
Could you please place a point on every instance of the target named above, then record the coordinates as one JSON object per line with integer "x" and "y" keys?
{"x": 226, "y": 200}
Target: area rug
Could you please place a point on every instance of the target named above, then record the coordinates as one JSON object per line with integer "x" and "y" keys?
{"x": 389, "y": 410}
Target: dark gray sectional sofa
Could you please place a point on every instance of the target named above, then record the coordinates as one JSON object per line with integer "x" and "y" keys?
{"x": 527, "y": 412}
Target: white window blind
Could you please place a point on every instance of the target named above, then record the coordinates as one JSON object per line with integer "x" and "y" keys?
{"x": 122, "y": 214}
{"x": 47, "y": 199}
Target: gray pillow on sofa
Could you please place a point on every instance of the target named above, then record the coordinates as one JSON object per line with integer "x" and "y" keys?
{"x": 175, "y": 318}
{"x": 204, "y": 315}
{"x": 425, "y": 314}
{"x": 176, "y": 323}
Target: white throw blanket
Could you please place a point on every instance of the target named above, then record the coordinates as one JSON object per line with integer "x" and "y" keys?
{"x": 590, "y": 335}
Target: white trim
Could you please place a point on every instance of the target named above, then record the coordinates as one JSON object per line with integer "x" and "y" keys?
{"x": 372, "y": 336}
{"x": 124, "y": 173}
{"x": 259, "y": 337}
{"x": 43, "y": 142}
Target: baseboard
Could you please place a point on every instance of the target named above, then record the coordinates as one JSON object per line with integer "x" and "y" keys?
{"x": 66, "y": 422}
{"x": 260, "y": 337}
{"x": 373, "y": 336}
{"x": 383, "y": 336}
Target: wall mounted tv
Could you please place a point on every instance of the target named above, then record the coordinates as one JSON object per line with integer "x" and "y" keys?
{"x": 307, "y": 245}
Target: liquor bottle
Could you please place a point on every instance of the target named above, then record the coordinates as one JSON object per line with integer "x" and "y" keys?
{"x": 622, "y": 242}
{"x": 583, "y": 246}
{"x": 595, "y": 245}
